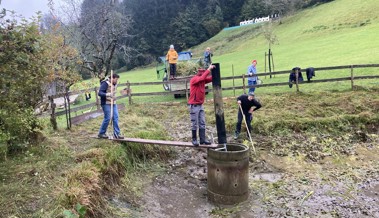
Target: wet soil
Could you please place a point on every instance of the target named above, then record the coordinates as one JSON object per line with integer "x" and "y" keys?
{"x": 282, "y": 184}
{"x": 279, "y": 187}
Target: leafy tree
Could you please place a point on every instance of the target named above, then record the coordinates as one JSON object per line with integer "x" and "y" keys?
{"x": 187, "y": 29}
{"x": 99, "y": 30}
{"x": 213, "y": 18}
{"x": 102, "y": 27}
{"x": 231, "y": 10}
{"x": 22, "y": 82}
{"x": 63, "y": 59}
{"x": 31, "y": 59}
{"x": 253, "y": 9}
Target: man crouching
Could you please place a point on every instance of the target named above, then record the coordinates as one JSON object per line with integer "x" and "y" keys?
{"x": 249, "y": 104}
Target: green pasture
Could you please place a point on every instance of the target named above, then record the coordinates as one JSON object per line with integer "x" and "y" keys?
{"x": 342, "y": 32}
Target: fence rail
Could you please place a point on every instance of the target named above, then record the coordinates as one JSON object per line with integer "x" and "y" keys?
{"x": 185, "y": 92}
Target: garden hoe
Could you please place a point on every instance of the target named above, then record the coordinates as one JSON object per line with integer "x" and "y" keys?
{"x": 248, "y": 131}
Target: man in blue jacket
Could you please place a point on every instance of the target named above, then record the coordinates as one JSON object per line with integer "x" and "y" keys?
{"x": 106, "y": 99}
{"x": 207, "y": 57}
{"x": 251, "y": 71}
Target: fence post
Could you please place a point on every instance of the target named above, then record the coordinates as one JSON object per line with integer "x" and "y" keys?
{"x": 68, "y": 108}
{"x": 234, "y": 89}
{"x": 186, "y": 89}
{"x": 265, "y": 63}
{"x": 243, "y": 81}
{"x": 352, "y": 77}
{"x": 97, "y": 99}
{"x": 129, "y": 92}
{"x": 297, "y": 80}
{"x": 53, "y": 118}
{"x": 272, "y": 59}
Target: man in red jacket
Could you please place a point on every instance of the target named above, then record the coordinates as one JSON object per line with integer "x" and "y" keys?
{"x": 195, "y": 104}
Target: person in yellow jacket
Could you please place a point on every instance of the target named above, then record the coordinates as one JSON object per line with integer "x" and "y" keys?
{"x": 172, "y": 58}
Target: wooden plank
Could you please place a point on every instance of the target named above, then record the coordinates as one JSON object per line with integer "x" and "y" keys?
{"x": 76, "y": 109}
{"x": 182, "y": 80}
{"x": 159, "y": 93}
{"x": 179, "y": 80}
{"x": 78, "y": 92}
{"x": 93, "y": 114}
{"x": 160, "y": 142}
{"x": 316, "y": 69}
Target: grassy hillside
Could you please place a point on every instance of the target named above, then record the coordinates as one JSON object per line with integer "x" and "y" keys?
{"x": 337, "y": 33}
{"x": 342, "y": 32}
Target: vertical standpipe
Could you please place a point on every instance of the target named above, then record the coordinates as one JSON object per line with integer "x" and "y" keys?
{"x": 218, "y": 104}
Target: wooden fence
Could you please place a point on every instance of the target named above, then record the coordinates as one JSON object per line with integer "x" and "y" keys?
{"x": 129, "y": 94}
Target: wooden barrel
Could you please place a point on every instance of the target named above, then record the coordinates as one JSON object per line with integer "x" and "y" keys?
{"x": 228, "y": 174}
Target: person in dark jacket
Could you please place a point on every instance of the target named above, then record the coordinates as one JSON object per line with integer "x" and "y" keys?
{"x": 195, "y": 104}
{"x": 310, "y": 71}
{"x": 292, "y": 78}
{"x": 207, "y": 57}
{"x": 248, "y": 104}
{"x": 106, "y": 99}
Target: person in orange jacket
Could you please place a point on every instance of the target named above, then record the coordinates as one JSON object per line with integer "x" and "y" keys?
{"x": 172, "y": 58}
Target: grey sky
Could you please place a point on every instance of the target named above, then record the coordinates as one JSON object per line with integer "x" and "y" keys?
{"x": 26, "y": 8}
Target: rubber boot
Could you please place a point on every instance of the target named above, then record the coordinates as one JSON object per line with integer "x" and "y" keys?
{"x": 194, "y": 138}
{"x": 203, "y": 140}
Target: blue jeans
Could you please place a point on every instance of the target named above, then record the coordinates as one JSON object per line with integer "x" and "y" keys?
{"x": 107, "y": 119}
{"x": 250, "y": 83}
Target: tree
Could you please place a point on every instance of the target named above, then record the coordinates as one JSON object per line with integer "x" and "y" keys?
{"x": 23, "y": 76}
{"x": 98, "y": 29}
{"x": 213, "y": 18}
{"x": 187, "y": 29}
{"x": 231, "y": 10}
{"x": 253, "y": 9}
{"x": 102, "y": 28}
{"x": 31, "y": 59}
{"x": 270, "y": 36}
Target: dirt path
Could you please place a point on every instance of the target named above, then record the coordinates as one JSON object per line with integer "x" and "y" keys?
{"x": 280, "y": 185}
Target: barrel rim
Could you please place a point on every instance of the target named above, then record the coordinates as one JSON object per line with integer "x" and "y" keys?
{"x": 246, "y": 148}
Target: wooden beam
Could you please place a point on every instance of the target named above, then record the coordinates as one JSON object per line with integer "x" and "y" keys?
{"x": 218, "y": 104}
{"x": 162, "y": 142}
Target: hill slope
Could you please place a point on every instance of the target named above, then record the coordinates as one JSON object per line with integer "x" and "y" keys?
{"x": 342, "y": 32}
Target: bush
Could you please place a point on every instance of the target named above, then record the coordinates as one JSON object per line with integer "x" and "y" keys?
{"x": 21, "y": 84}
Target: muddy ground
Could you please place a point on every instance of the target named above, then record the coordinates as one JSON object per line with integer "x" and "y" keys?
{"x": 297, "y": 182}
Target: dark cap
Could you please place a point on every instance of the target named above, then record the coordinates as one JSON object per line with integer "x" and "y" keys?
{"x": 251, "y": 94}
